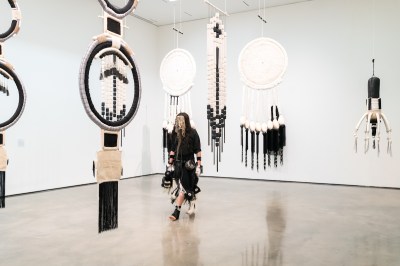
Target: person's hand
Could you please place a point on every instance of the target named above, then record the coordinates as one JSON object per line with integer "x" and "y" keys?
{"x": 198, "y": 170}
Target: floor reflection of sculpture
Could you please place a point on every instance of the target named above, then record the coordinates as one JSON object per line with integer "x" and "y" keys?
{"x": 181, "y": 244}
{"x": 276, "y": 224}
{"x": 271, "y": 254}
{"x": 10, "y": 88}
{"x": 111, "y": 103}
{"x": 374, "y": 117}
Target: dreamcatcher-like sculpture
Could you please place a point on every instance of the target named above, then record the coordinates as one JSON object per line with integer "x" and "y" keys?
{"x": 12, "y": 96}
{"x": 177, "y": 72}
{"x": 262, "y": 64}
{"x": 110, "y": 90}
{"x": 373, "y": 117}
{"x": 216, "y": 108}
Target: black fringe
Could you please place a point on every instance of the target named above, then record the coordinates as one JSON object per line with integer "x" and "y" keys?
{"x": 2, "y": 189}
{"x": 265, "y": 149}
{"x": 257, "y": 147}
{"x": 252, "y": 148}
{"x": 247, "y": 146}
{"x": 164, "y": 139}
{"x": 241, "y": 139}
{"x": 108, "y": 206}
{"x": 282, "y": 136}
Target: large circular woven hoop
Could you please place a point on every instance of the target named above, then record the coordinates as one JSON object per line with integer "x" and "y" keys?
{"x": 177, "y": 72}
{"x": 119, "y": 12}
{"x": 99, "y": 46}
{"x": 262, "y": 63}
{"x": 6, "y": 69}
{"x": 15, "y": 23}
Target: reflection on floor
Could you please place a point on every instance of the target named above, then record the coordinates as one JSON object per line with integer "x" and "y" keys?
{"x": 238, "y": 222}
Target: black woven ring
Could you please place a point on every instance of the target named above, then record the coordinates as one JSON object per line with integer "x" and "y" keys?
{"x": 85, "y": 90}
{"x": 22, "y": 98}
{"x": 116, "y": 11}
{"x": 14, "y": 25}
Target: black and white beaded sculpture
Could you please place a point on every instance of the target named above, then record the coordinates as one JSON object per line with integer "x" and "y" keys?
{"x": 110, "y": 90}
{"x": 373, "y": 118}
{"x": 262, "y": 64}
{"x": 216, "y": 66}
{"x": 177, "y": 72}
{"x": 12, "y": 95}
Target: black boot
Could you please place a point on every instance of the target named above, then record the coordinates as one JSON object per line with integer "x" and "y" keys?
{"x": 175, "y": 215}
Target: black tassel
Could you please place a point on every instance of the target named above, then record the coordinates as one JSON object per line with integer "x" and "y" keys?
{"x": 252, "y": 148}
{"x": 247, "y": 146}
{"x": 275, "y": 145}
{"x": 241, "y": 139}
{"x": 269, "y": 145}
{"x": 265, "y": 149}
{"x": 282, "y": 136}
{"x": 108, "y": 206}
{"x": 257, "y": 147}
{"x": 164, "y": 138}
{"x": 2, "y": 189}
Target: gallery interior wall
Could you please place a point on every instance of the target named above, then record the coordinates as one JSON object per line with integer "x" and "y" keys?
{"x": 329, "y": 46}
{"x": 54, "y": 143}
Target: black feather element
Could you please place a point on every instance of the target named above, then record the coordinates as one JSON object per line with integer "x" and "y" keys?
{"x": 257, "y": 147}
{"x": 241, "y": 139}
{"x": 265, "y": 149}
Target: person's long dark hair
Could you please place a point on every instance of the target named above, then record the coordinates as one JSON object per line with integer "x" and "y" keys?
{"x": 188, "y": 126}
{"x": 188, "y": 131}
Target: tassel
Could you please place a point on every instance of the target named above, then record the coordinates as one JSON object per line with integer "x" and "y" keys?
{"x": 252, "y": 149}
{"x": 108, "y": 206}
{"x": 282, "y": 140}
{"x": 164, "y": 142}
{"x": 275, "y": 143}
{"x": 247, "y": 146}
{"x": 241, "y": 139}
{"x": 265, "y": 149}
{"x": 2, "y": 189}
{"x": 257, "y": 147}
{"x": 269, "y": 145}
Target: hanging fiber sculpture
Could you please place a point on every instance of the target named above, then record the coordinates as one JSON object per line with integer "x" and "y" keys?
{"x": 262, "y": 64}
{"x": 216, "y": 108}
{"x": 110, "y": 90}
{"x": 373, "y": 117}
{"x": 177, "y": 72}
{"x": 12, "y": 96}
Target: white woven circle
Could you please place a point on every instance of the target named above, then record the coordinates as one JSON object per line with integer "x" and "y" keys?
{"x": 177, "y": 72}
{"x": 262, "y": 63}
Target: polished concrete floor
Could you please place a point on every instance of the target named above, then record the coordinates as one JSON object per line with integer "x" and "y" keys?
{"x": 238, "y": 222}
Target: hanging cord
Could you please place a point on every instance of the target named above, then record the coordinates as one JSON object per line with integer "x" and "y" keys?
{"x": 373, "y": 28}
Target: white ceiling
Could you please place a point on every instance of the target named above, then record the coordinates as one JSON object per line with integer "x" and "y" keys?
{"x": 161, "y": 12}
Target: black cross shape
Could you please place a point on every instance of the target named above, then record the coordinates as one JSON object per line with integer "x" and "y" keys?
{"x": 217, "y": 30}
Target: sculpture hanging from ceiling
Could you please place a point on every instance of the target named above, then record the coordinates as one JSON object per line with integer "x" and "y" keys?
{"x": 216, "y": 66}
{"x": 177, "y": 72}
{"x": 262, "y": 64}
{"x": 110, "y": 90}
{"x": 12, "y": 95}
{"x": 373, "y": 118}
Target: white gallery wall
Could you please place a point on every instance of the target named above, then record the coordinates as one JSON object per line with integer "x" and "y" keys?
{"x": 54, "y": 143}
{"x": 329, "y": 46}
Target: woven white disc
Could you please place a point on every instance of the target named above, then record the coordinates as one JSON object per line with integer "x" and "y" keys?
{"x": 262, "y": 63}
{"x": 177, "y": 72}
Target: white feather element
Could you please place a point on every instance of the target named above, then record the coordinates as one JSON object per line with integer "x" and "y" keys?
{"x": 264, "y": 127}
{"x": 281, "y": 120}
{"x": 258, "y": 126}
{"x": 275, "y": 124}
